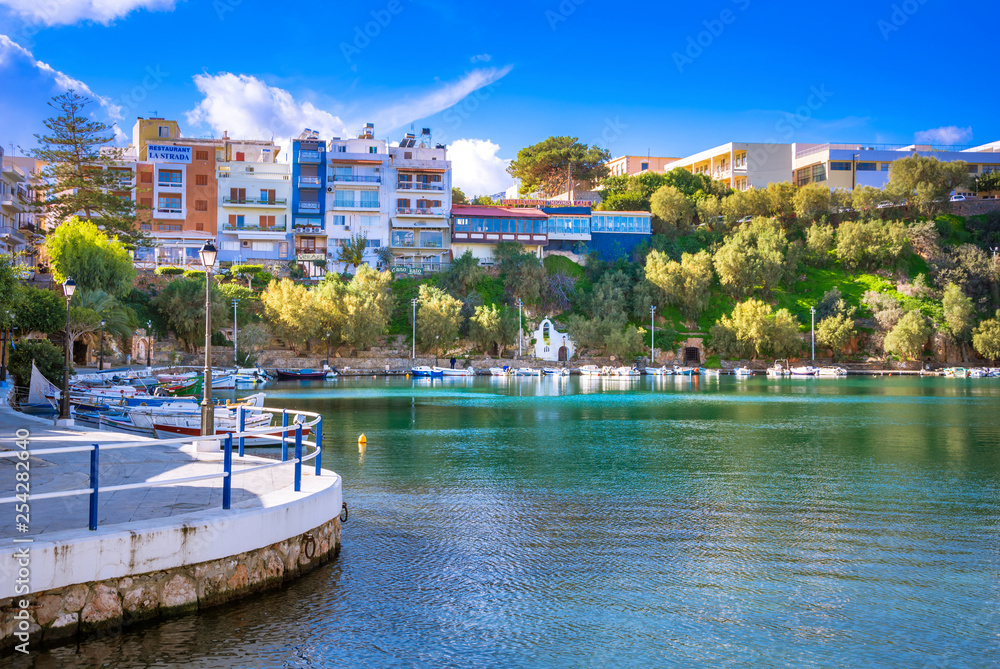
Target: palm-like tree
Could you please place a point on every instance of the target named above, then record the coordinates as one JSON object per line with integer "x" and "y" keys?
{"x": 353, "y": 251}
{"x": 87, "y": 310}
{"x": 385, "y": 256}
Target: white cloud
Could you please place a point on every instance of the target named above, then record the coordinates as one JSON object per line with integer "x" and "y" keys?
{"x": 476, "y": 167}
{"x": 482, "y": 58}
{"x": 946, "y": 135}
{"x": 409, "y": 110}
{"x": 17, "y": 62}
{"x": 65, "y": 12}
{"x": 247, "y": 107}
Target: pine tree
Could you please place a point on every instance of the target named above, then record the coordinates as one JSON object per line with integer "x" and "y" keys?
{"x": 79, "y": 176}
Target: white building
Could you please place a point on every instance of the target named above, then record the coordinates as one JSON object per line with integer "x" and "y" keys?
{"x": 551, "y": 344}
{"x": 19, "y": 179}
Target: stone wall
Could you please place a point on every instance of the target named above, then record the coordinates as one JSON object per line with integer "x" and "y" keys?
{"x": 68, "y": 614}
{"x": 974, "y": 207}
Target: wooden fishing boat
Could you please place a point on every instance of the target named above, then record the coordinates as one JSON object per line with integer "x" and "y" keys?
{"x": 301, "y": 374}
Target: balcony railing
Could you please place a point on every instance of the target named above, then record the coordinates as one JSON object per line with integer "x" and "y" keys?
{"x": 308, "y": 206}
{"x": 251, "y": 201}
{"x": 355, "y": 205}
{"x": 309, "y": 156}
{"x": 171, "y": 184}
{"x": 250, "y": 173}
{"x": 419, "y": 211}
{"x": 253, "y": 228}
{"x": 357, "y": 178}
{"x": 317, "y": 251}
{"x": 416, "y": 185}
{"x": 310, "y": 182}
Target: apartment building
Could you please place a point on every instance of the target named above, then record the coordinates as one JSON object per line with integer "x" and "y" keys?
{"x": 633, "y": 165}
{"x": 20, "y": 226}
{"x": 742, "y": 165}
{"x": 849, "y": 165}
{"x": 419, "y": 175}
{"x": 358, "y": 197}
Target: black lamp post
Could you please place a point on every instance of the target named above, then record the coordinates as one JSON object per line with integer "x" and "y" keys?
{"x": 208, "y": 254}
{"x": 7, "y": 336}
{"x": 100, "y": 365}
{"x": 149, "y": 341}
{"x": 69, "y": 287}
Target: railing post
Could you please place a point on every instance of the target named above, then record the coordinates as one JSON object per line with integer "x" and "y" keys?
{"x": 227, "y": 466}
{"x": 95, "y": 457}
{"x": 284, "y": 434}
{"x": 319, "y": 446}
{"x": 298, "y": 457}
{"x": 242, "y": 426}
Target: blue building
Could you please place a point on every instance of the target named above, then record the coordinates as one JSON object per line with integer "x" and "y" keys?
{"x": 611, "y": 234}
{"x": 309, "y": 235}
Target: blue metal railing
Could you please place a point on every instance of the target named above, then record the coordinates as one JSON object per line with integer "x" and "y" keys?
{"x": 293, "y": 433}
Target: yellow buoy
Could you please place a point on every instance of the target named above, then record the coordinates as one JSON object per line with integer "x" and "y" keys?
{"x": 362, "y": 440}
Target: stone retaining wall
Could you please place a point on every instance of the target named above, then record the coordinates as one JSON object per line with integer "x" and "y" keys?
{"x": 68, "y": 614}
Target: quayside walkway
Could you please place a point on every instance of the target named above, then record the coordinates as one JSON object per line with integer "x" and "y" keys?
{"x": 153, "y": 529}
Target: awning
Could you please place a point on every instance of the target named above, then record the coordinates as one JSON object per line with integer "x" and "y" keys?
{"x": 441, "y": 224}
{"x": 421, "y": 169}
{"x": 347, "y": 161}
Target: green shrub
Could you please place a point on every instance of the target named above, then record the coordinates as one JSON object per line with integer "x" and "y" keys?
{"x": 47, "y": 356}
{"x": 169, "y": 271}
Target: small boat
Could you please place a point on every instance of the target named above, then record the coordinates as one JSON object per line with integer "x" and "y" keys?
{"x": 500, "y": 371}
{"x": 301, "y": 374}
{"x": 742, "y": 371}
{"x": 43, "y": 395}
{"x": 251, "y": 376}
{"x": 803, "y": 371}
{"x": 527, "y": 371}
{"x": 552, "y": 371}
{"x": 777, "y": 370}
{"x": 422, "y": 371}
{"x": 590, "y": 370}
{"x": 685, "y": 371}
{"x": 710, "y": 372}
{"x": 447, "y": 371}
{"x": 625, "y": 371}
{"x": 659, "y": 371}
{"x": 831, "y": 371}
{"x": 192, "y": 386}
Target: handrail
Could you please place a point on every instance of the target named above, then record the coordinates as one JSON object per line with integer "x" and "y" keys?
{"x": 290, "y": 433}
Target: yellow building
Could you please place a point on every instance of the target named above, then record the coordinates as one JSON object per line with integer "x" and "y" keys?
{"x": 633, "y": 165}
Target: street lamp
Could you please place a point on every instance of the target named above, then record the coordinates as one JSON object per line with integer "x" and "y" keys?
{"x": 328, "y": 335}
{"x": 208, "y": 254}
{"x": 69, "y": 287}
{"x": 7, "y": 337}
{"x": 413, "y": 353}
{"x": 100, "y": 365}
{"x": 149, "y": 341}
{"x": 812, "y": 310}
{"x": 436, "y": 349}
{"x": 652, "y": 333}
{"x": 519, "y": 330}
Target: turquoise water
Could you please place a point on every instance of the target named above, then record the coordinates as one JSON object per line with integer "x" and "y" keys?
{"x": 633, "y": 523}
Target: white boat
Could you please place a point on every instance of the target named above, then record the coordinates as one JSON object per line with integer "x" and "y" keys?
{"x": 590, "y": 370}
{"x": 145, "y": 416}
{"x": 423, "y": 371}
{"x": 803, "y": 371}
{"x": 527, "y": 371}
{"x": 447, "y": 371}
{"x": 742, "y": 371}
{"x": 552, "y": 371}
{"x": 831, "y": 371}
{"x": 500, "y": 371}
{"x": 777, "y": 370}
{"x": 710, "y": 372}
{"x": 659, "y": 371}
{"x": 625, "y": 371}
{"x": 685, "y": 371}
{"x": 43, "y": 395}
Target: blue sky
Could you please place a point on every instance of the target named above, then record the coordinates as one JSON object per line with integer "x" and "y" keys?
{"x": 490, "y": 78}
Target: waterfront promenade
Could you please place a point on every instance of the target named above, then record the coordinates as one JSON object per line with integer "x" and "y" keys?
{"x": 157, "y": 551}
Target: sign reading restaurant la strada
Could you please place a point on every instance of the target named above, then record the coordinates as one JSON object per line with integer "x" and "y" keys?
{"x": 168, "y": 154}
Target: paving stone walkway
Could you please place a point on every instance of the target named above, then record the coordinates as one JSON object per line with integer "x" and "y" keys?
{"x": 151, "y": 462}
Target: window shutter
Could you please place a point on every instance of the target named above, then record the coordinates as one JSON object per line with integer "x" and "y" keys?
{"x": 232, "y": 219}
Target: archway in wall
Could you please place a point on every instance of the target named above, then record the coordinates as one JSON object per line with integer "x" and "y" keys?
{"x": 692, "y": 355}
{"x": 562, "y": 354}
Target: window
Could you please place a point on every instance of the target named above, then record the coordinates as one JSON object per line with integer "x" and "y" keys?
{"x": 432, "y": 239}
{"x": 237, "y": 220}
{"x": 201, "y": 155}
{"x": 267, "y": 196}
{"x": 885, "y": 167}
{"x": 840, "y": 166}
{"x": 372, "y": 149}
{"x": 169, "y": 203}
{"x": 373, "y": 243}
{"x": 201, "y": 205}
{"x": 164, "y": 131}
{"x": 973, "y": 169}
{"x": 240, "y": 156}
{"x": 263, "y": 247}
{"x": 342, "y": 174}
{"x": 146, "y": 202}
{"x": 803, "y": 176}
{"x": 368, "y": 221}
{"x": 338, "y": 220}
{"x": 645, "y": 166}
{"x": 266, "y": 222}
{"x": 343, "y": 198}
{"x": 867, "y": 167}
{"x": 171, "y": 177}
{"x": 201, "y": 180}
{"x": 408, "y": 155}
{"x": 146, "y": 226}
{"x": 170, "y": 227}
{"x": 403, "y": 203}
{"x": 369, "y": 198}
{"x": 283, "y": 249}
{"x": 405, "y": 178}
{"x": 342, "y": 148}
{"x": 230, "y": 246}
{"x": 402, "y": 238}
{"x": 819, "y": 172}
{"x": 146, "y": 177}
{"x": 199, "y": 226}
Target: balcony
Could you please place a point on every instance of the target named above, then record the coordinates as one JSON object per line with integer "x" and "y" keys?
{"x": 308, "y": 206}
{"x": 367, "y": 206}
{"x": 12, "y": 236}
{"x": 171, "y": 184}
{"x": 416, "y": 185}
{"x": 310, "y": 182}
{"x": 261, "y": 172}
{"x": 418, "y": 211}
{"x": 356, "y": 178}
{"x": 168, "y": 213}
{"x": 309, "y": 157}
{"x": 277, "y": 229}
{"x": 253, "y": 202}
{"x": 11, "y": 203}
